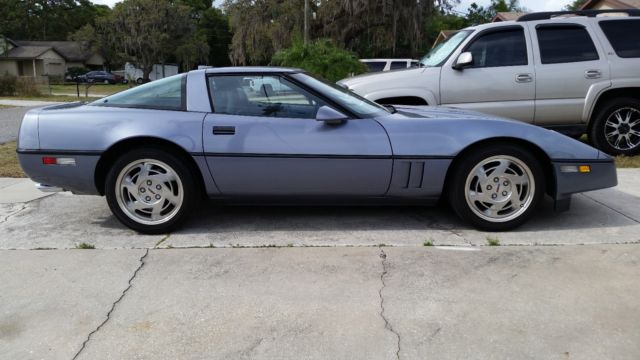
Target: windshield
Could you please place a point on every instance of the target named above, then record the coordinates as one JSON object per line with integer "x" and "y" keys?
{"x": 355, "y": 103}
{"x": 440, "y": 53}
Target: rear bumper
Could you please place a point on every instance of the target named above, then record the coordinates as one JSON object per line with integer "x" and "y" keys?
{"x": 602, "y": 175}
{"x": 78, "y": 178}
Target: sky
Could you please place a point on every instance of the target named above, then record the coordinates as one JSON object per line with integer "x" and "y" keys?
{"x": 533, "y": 5}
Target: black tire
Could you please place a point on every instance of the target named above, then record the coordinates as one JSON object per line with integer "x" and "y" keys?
{"x": 599, "y": 128}
{"x": 190, "y": 190}
{"x": 457, "y": 191}
{"x": 140, "y": 81}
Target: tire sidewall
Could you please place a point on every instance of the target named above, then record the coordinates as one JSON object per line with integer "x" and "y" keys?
{"x": 597, "y": 136}
{"x": 457, "y": 190}
{"x": 182, "y": 171}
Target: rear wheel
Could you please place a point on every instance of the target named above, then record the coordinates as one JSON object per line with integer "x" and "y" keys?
{"x": 616, "y": 127}
{"x": 150, "y": 190}
{"x": 496, "y": 188}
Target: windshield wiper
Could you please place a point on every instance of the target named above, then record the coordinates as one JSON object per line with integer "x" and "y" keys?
{"x": 391, "y": 108}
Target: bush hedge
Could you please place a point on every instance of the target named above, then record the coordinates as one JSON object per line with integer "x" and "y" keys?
{"x": 321, "y": 57}
{"x": 7, "y": 85}
{"x": 18, "y": 86}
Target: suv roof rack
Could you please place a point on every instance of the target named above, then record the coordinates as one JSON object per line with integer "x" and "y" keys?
{"x": 589, "y": 13}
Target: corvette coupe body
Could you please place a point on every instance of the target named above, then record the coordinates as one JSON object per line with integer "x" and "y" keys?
{"x": 282, "y": 136}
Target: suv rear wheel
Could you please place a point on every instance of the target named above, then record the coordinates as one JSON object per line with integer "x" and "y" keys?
{"x": 616, "y": 127}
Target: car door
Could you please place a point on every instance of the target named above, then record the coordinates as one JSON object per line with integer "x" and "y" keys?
{"x": 501, "y": 79}
{"x": 569, "y": 64}
{"x": 263, "y": 139}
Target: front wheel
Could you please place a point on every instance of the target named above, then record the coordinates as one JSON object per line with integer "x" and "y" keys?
{"x": 150, "y": 190}
{"x": 496, "y": 188}
{"x": 616, "y": 127}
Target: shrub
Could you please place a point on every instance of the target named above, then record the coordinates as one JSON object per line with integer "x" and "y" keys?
{"x": 56, "y": 79}
{"x": 73, "y": 72}
{"x": 7, "y": 85}
{"x": 26, "y": 86}
{"x": 321, "y": 57}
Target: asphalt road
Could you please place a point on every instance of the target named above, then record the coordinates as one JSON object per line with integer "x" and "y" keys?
{"x": 10, "y": 120}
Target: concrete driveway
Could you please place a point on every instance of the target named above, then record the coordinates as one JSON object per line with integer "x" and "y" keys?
{"x": 342, "y": 283}
{"x": 62, "y": 221}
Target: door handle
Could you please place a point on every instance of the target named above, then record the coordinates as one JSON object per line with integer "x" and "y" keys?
{"x": 593, "y": 74}
{"x": 524, "y": 78}
{"x": 224, "y": 130}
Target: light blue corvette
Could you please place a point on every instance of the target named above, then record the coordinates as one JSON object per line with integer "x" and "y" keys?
{"x": 282, "y": 136}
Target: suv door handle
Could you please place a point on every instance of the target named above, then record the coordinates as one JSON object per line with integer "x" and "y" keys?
{"x": 224, "y": 130}
{"x": 524, "y": 78}
{"x": 593, "y": 74}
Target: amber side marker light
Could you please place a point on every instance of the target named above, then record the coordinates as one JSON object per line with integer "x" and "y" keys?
{"x": 575, "y": 169}
{"x": 584, "y": 168}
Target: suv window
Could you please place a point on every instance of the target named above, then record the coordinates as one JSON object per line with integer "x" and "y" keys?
{"x": 623, "y": 36}
{"x": 164, "y": 94}
{"x": 395, "y": 65}
{"x": 565, "y": 44}
{"x": 375, "y": 66}
{"x": 257, "y": 95}
{"x": 499, "y": 48}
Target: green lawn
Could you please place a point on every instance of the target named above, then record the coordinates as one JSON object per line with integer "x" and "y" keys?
{"x": 9, "y": 166}
{"x": 60, "y": 98}
{"x": 628, "y": 161}
{"x": 100, "y": 89}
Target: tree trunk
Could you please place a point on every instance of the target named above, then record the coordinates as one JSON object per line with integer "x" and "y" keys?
{"x": 146, "y": 70}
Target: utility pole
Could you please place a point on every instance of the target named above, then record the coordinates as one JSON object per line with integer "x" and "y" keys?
{"x": 306, "y": 21}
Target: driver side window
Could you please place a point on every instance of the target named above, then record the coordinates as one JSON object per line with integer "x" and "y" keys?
{"x": 261, "y": 95}
{"x": 500, "y": 48}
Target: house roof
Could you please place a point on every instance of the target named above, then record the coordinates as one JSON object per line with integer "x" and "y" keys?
{"x": 616, "y": 4}
{"x": 27, "y": 52}
{"x": 507, "y": 16}
{"x": 70, "y": 50}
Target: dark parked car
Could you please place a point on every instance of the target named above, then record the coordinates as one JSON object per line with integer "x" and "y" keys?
{"x": 100, "y": 77}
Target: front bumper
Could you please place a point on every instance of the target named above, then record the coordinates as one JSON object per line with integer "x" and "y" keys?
{"x": 602, "y": 175}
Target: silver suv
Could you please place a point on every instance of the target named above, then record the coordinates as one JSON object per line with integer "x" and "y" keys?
{"x": 575, "y": 72}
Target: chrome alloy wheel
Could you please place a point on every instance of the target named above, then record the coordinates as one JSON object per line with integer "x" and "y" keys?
{"x": 149, "y": 191}
{"x": 622, "y": 129}
{"x": 500, "y": 188}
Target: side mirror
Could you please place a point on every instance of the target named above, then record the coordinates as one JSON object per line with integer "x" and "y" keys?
{"x": 464, "y": 60}
{"x": 330, "y": 115}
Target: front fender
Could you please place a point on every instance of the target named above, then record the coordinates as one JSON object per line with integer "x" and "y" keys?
{"x": 447, "y": 137}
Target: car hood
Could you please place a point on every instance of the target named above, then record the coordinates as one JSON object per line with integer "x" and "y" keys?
{"x": 396, "y": 76}
{"x": 441, "y": 112}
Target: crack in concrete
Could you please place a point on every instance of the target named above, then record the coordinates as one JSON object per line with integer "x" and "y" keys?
{"x": 6, "y": 218}
{"x": 387, "y": 324}
{"x": 113, "y": 306}
{"x": 612, "y": 209}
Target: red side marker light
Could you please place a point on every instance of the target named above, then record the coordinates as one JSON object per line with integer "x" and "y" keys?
{"x": 48, "y": 160}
